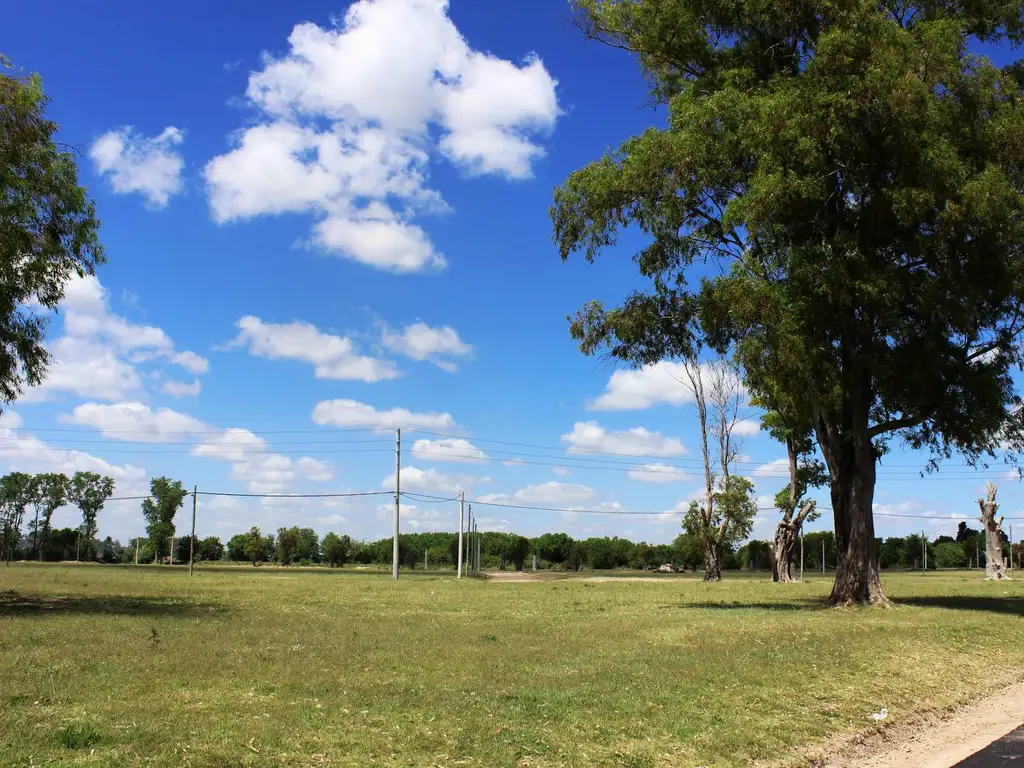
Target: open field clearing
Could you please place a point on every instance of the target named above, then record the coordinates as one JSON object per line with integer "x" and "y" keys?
{"x": 126, "y": 666}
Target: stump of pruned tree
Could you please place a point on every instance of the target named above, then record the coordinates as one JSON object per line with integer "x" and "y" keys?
{"x": 993, "y": 543}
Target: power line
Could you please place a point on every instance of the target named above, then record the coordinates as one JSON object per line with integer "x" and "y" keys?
{"x": 262, "y": 451}
{"x": 294, "y": 495}
{"x": 534, "y": 508}
{"x": 572, "y": 449}
{"x": 676, "y": 469}
{"x": 185, "y": 443}
{"x": 214, "y": 431}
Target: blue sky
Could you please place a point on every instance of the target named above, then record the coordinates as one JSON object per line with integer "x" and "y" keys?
{"x": 322, "y": 218}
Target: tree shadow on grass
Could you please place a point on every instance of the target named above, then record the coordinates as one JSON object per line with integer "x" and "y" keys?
{"x": 1013, "y": 606}
{"x": 15, "y": 604}
{"x": 765, "y": 605}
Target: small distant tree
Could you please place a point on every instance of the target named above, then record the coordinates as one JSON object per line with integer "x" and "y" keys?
{"x": 964, "y": 533}
{"x": 209, "y": 549}
{"x": 89, "y": 491}
{"x": 309, "y": 546}
{"x": 287, "y": 545}
{"x": 949, "y": 555}
{"x": 49, "y": 492}
{"x": 15, "y": 496}
{"x": 165, "y": 499}
{"x": 553, "y": 547}
{"x": 254, "y": 546}
{"x": 337, "y": 549}
{"x": 687, "y": 551}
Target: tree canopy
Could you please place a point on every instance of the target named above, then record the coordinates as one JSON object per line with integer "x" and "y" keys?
{"x": 165, "y": 499}
{"x": 48, "y": 229}
{"x": 855, "y": 174}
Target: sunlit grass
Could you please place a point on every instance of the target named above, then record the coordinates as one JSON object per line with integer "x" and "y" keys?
{"x": 144, "y": 666}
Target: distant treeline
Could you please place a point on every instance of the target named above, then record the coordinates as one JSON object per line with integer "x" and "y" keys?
{"x": 558, "y": 551}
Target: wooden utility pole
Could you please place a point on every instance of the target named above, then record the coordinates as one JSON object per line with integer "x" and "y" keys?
{"x": 192, "y": 541}
{"x": 398, "y": 497}
{"x": 462, "y": 515}
{"x": 822, "y": 555}
{"x": 924, "y": 553}
{"x": 136, "y": 550}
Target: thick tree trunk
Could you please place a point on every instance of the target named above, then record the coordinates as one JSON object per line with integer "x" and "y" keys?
{"x": 712, "y": 564}
{"x": 858, "y": 577}
{"x": 850, "y": 456}
{"x": 994, "y": 569}
{"x": 785, "y": 541}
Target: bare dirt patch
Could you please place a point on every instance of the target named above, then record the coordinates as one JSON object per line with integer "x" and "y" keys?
{"x": 935, "y": 741}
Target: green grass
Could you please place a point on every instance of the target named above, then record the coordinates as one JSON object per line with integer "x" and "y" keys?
{"x": 132, "y": 666}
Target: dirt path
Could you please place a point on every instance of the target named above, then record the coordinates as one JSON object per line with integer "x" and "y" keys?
{"x": 936, "y": 742}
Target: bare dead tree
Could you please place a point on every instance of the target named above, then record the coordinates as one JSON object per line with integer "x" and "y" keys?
{"x": 727, "y": 511}
{"x": 791, "y": 524}
{"x": 994, "y": 569}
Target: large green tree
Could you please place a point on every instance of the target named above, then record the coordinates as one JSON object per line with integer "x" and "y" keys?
{"x": 89, "y": 491}
{"x": 854, "y": 173}
{"x": 165, "y": 499}
{"x": 48, "y": 229}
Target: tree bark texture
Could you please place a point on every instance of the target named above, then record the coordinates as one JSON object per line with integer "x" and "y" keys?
{"x": 712, "y": 564}
{"x": 994, "y": 569}
{"x": 785, "y": 540}
{"x": 850, "y": 457}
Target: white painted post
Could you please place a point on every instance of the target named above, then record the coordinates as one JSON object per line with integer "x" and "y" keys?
{"x": 462, "y": 515}
{"x": 801, "y": 555}
{"x": 192, "y": 541}
{"x": 398, "y": 497}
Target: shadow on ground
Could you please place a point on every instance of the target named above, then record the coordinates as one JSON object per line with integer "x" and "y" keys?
{"x": 1009, "y": 605}
{"x": 1013, "y": 606}
{"x": 15, "y": 604}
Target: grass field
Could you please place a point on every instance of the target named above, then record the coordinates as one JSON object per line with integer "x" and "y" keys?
{"x": 131, "y": 666}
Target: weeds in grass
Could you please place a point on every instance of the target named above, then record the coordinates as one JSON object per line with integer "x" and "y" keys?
{"x": 78, "y": 736}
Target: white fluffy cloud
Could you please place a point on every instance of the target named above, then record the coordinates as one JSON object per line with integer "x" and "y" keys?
{"x": 181, "y": 388}
{"x": 131, "y": 162}
{"x": 658, "y": 473}
{"x": 447, "y": 449}
{"x": 350, "y": 413}
{"x": 99, "y": 351}
{"x": 346, "y": 120}
{"x": 433, "y": 481}
{"x": 333, "y": 357}
{"x": 135, "y": 422}
{"x": 746, "y": 428}
{"x": 421, "y": 342}
{"x": 591, "y": 437}
{"x": 664, "y": 383}
{"x": 774, "y": 468}
{"x": 261, "y": 470}
{"x": 551, "y": 493}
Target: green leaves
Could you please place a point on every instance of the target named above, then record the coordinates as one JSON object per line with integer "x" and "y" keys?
{"x": 48, "y": 229}
{"x": 166, "y": 498}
